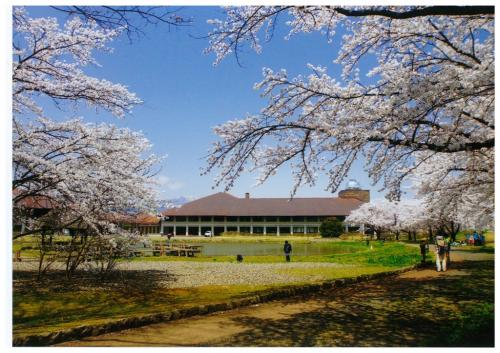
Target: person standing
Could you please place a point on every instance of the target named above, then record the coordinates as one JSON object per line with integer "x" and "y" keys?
{"x": 287, "y": 248}
{"x": 482, "y": 239}
{"x": 423, "y": 249}
{"x": 440, "y": 253}
{"x": 475, "y": 237}
{"x": 447, "y": 242}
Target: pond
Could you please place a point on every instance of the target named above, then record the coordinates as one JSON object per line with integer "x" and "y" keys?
{"x": 256, "y": 249}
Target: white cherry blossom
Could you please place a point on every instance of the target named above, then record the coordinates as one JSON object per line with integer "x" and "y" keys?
{"x": 429, "y": 99}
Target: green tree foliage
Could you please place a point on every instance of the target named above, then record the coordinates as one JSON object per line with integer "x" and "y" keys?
{"x": 331, "y": 228}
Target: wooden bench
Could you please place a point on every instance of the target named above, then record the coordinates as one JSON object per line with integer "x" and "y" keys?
{"x": 184, "y": 250}
{"x": 159, "y": 249}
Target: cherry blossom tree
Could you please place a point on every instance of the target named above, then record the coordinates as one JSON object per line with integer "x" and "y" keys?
{"x": 88, "y": 171}
{"x": 47, "y": 155}
{"x": 133, "y": 19}
{"x": 86, "y": 175}
{"x": 429, "y": 98}
{"x": 377, "y": 214}
{"x": 458, "y": 189}
{"x": 406, "y": 216}
{"x": 41, "y": 68}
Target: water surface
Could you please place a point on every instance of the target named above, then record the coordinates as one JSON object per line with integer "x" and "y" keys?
{"x": 253, "y": 249}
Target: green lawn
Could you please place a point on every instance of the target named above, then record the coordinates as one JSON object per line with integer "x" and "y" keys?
{"x": 44, "y": 310}
{"x": 56, "y": 304}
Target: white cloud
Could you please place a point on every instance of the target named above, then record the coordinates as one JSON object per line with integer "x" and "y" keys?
{"x": 164, "y": 182}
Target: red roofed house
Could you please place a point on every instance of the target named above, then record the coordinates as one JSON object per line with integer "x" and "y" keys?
{"x": 37, "y": 206}
{"x": 223, "y": 212}
{"x": 142, "y": 223}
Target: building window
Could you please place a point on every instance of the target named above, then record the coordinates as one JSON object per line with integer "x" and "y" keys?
{"x": 284, "y": 219}
{"x": 232, "y": 219}
{"x": 192, "y": 218}
{"x": 298, "y": 219}
{"x": 312, "y": 229}
{"x": 180, "y": 219}
{"x": 272, "y": 230}
{"x": 232, "y": 229}
{"x": 218, "y": 219}
{"x": 244, "y": 219}
{"x": 218, "y": 230}
{"x": 258, "y": 230}
{"x": 298, "y": 229}
{"x": 258, "y": 219}
{"x": 206, "y": 219}
{"x": 284, "y": 230}
{"x": 244, "y": 229}
{"x": 271, "y": 219}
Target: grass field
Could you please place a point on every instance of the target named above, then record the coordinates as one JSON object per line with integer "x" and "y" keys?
{"x": 56, "y": 304}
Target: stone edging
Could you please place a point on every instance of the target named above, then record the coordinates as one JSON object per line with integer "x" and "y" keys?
{"x": 80, "y": 332}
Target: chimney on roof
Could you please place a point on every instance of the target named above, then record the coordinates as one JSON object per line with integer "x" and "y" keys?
{"x": 247, "y": 195}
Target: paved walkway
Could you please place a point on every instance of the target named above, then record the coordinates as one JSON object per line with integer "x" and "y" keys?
{"x": 405, "y": 310}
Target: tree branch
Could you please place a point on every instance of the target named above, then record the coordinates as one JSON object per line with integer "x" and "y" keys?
{"x": 421, "y": 12}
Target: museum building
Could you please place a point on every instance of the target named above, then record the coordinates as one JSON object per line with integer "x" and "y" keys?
{"x": 222, "y": 212}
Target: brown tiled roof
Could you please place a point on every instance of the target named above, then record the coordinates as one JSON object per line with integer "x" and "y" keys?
{"x": 223, "y": 204}
{"x": 137, "y": 219}
{"x": 147, "y": 219}
{"x": 42, "y": 202}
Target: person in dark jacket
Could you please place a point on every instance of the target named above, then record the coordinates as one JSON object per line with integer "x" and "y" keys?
{"x": 287, "y": 248}
{"x": 424, "y": 247}
{"x": 475, "y": 236}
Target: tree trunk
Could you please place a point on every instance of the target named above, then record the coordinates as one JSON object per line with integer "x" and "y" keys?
{"x": 430, "y": 234}
{"x": 40, "y": 265}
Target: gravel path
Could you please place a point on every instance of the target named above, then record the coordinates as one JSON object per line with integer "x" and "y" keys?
{"x": 195, "y": 274}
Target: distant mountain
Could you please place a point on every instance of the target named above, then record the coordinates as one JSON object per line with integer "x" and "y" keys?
{"x": 173, "y": 203}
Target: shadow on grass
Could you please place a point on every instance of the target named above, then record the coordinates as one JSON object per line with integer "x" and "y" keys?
{"x": 129, "y": 280}
{"x": 425, "y": 312}
{"x": 57, "y": 300}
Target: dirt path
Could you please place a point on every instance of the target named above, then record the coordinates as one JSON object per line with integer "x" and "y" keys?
{"x": 404, "y": 310}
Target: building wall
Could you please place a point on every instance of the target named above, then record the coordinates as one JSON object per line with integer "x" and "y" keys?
{"x": 358, "y": 194}
{"x": 144, "y": 228}
{"x": 252, "y": 225}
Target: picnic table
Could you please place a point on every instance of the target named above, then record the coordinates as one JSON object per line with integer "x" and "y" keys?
{"x": 162, "y": 249}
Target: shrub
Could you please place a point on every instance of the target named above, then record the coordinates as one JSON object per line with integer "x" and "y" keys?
{"x": 331, "y": 228}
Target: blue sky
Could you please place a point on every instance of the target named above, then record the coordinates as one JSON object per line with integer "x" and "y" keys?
{"x": 185, "y": 96}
